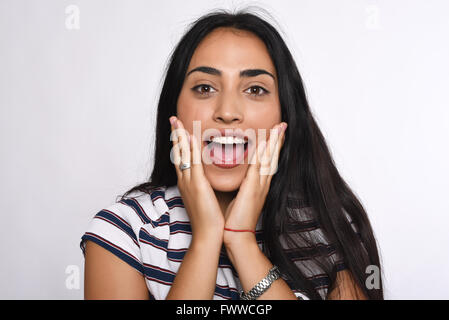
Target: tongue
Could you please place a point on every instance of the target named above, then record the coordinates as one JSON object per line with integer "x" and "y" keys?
{"x": 227, "y": 153}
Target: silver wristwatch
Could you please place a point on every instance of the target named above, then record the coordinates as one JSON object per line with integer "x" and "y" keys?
{"x": 262, "y": 286}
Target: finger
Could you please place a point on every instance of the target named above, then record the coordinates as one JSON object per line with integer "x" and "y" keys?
{"x": 267, "y": 155}
{"x": 185, "y": 148}
{"x": 276, "y": 153}
{"x": 254, "y": 164}
{"x": 175, "y": 153}
{"x": 195, "y": 149}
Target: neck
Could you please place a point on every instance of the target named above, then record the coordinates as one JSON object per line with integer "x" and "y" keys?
{"x": 224, "y": 198}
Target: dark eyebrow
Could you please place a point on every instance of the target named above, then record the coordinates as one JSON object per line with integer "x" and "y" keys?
{"x": 244, "y": 73}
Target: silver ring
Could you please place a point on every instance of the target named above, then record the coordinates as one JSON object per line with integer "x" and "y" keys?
{"x": 184, "y": 166}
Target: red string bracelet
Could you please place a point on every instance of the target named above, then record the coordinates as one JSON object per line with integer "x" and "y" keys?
{"x": 240, "y": 230}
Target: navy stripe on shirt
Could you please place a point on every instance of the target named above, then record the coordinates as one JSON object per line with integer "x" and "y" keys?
{"x": 118, "y": 251}
{"x": 117, "y": 221}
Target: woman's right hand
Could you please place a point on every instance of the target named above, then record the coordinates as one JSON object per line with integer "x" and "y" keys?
{"x": 203, "y": 209}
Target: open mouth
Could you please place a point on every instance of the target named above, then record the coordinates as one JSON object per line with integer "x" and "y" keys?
{"x": 227, "y": 152}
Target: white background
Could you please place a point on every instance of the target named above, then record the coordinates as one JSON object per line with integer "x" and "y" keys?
{"x": 78, "y": 112}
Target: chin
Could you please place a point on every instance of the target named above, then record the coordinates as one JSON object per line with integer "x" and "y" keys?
{"x": 225, "y": 180}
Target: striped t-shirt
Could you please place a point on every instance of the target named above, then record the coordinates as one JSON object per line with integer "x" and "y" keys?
{"x": 152, "y": 233}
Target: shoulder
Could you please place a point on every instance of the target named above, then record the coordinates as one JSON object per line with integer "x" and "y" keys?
{"x": 126, "y": 216}
{"x": 132, "y": 211}
{"x": 346, "y": 288}
{"x": 116, "y": 227}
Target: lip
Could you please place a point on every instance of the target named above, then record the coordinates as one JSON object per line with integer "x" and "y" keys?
{"x": 232, "y": 132}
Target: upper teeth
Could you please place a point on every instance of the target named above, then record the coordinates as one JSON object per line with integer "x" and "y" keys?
{"x": 228, "y": 140}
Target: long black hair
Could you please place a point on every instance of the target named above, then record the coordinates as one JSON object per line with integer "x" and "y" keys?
{"x": 307, "y": 180}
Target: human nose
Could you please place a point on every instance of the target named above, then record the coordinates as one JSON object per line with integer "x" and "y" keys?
{"x": 228, "y": 111}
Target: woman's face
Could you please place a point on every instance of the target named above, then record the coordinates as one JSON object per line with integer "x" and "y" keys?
{"x": 221, "y": 97}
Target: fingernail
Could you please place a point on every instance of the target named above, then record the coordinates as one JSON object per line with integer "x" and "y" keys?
{"x": 172, "y": 120}
{"x": 280, "y": 127}
{"x": 284, "y": 126}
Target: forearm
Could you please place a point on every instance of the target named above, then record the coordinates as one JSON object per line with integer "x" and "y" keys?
{"x": 252, "y": 266}
{"x": 197, "y": 274}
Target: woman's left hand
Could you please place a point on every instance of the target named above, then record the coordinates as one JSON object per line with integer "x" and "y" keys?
{"x": 244, "y": 210}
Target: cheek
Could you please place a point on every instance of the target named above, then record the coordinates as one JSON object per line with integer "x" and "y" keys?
{"x": 192, "y": 114}
{"x": 265, "y": 117}
{"x": 186, "y": 110}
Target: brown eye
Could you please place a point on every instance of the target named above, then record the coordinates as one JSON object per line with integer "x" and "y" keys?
{"x": 202, "y": 89}
{"x": 257, "y": 91}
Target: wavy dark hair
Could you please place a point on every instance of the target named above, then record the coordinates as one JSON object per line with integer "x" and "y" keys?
{"x": 305, "y": 170}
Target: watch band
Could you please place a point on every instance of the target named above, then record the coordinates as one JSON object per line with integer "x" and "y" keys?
{"x": 262, "y": 286}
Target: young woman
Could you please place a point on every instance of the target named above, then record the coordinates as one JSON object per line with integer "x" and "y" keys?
{"x": 209, "y": 223}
